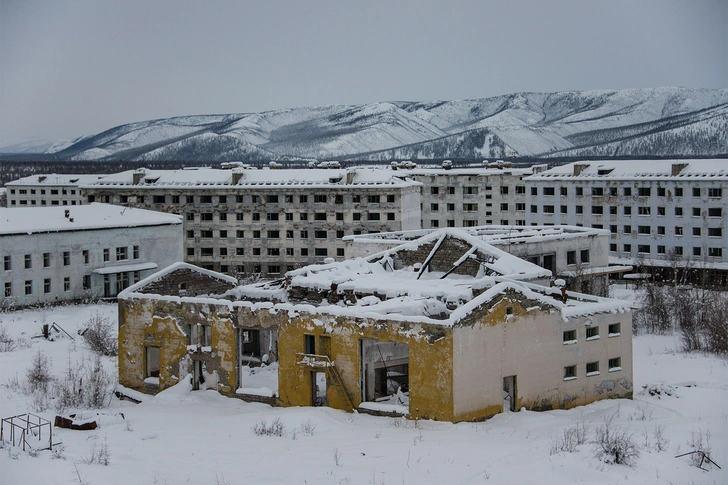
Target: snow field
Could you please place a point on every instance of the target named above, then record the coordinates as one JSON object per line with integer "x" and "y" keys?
{"x": 181, "y": 436}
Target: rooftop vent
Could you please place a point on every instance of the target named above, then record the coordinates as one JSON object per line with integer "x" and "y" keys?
{"x": 580, "y": 167}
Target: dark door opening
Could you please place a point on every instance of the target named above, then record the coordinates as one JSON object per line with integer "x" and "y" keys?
{"x": 510, "y": 397}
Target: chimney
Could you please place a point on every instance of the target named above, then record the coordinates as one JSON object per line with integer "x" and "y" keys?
{"x": 580, "y": 167}
{"x": 137, "y": 177}
{"x": 350, "y": 177}
{"x": 237, "y": 175}
{"x": 677, "y": 168}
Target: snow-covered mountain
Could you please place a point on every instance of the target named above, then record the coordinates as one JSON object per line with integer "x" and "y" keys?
{"x": 634, "y": 122}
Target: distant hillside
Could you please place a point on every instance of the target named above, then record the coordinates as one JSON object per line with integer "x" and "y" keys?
{"x": 669, "y": 122}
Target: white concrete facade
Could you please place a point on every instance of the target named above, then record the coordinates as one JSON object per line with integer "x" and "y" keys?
{"x": 472, "y": 197}
{"x": 55, "y": 254}
{"x": 48, "y": 190}
{"x": 268, "y": 221}
{"x": 652, "y": 209}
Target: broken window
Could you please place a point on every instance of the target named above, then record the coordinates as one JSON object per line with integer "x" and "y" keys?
{"x": 152, "y": 364}
{"x": 569, "y": 336}
{"x": 592, "y": 333}
{"x": 385, "y": 372}
{"x": 570, "y": 372}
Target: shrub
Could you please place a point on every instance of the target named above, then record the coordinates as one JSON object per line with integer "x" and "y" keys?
{"x": 39, "y": 374}
{"x": 85, "y": 384}
{"x": 615, "y": 444}
{"x": 100, "y": 337}
{"x": 7, "y": 343}
{"x": 262, "y": 428}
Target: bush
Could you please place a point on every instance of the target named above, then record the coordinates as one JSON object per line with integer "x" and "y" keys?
{"x": 570, "y": 439}
{"x": 84, "y": 385}
{"x": 39, "y": 374}
{"x": 7, "y": 343}
{"x": 615, "y": 444}
{"x": 262, "y": 428}
{"x": 100, "y": 336}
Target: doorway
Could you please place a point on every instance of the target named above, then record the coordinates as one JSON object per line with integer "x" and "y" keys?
{"x": 319, "y": 388}
{"x": 510, "y": 398}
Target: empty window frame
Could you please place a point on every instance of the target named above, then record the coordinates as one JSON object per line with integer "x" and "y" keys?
{"x": 569, "y": 336}
{"x": 592, "y": 368}
{"x": 592, "y": 333}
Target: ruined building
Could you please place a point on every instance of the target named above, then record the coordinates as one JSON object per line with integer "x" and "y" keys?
{"x": 443, "y": 327}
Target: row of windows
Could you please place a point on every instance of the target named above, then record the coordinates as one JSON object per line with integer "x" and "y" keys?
{"x": 210, "y": 252}
{"x": 270, "y": 234}
{"x": 288, "y": 216}
{"x": 42, "y": 202}
{"x": 47, "y": 286}
{"x": 660, "y": 230}
{"x": 258, "y": 199}
{"x": 628, "y": 192}
{"x": 592, "y": 368}
{"x": 43, "y": 191}
{"x": 661, "y": 249}
{"x": 592, "y": 332}
{"x": 473, "y": 190}
{"x": 626, "y": 210}
{"x": 435, "y": 223}
{"x": 121, "y": 255}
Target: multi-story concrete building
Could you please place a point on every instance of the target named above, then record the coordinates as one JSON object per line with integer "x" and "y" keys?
{"x": 267, "y": 221}
{"x": 52, "y": 254}
{"x": 655, "y": 210}
{"x": 47, "y": 190}
{"x": 473, "y": 196}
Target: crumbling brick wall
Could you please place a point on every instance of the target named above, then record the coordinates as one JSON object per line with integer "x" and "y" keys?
{"x": 449, "y": 252}
{"x": 190, "y": 282}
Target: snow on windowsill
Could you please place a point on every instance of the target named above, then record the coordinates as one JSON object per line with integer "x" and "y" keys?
{"x": 614, "y": 369}
{"x": 256, "y": 391}
{"x": 152, "y": 380}
{"x": 615, "y": 334}
{"x": 590, "y": 374}
{"x": 569, "y": 378}
{"x": 385, "y": 407}
{"x": 593, "y": 338}
{"x": 569, "y": 342}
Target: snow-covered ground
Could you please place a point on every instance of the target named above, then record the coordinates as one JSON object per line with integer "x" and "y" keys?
{"x": 202, "y": 437}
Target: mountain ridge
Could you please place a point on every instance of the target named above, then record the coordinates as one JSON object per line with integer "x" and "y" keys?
{"x": 671, "y": 122}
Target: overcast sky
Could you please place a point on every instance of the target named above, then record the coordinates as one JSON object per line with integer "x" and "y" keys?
{"x": 70, "y": 68}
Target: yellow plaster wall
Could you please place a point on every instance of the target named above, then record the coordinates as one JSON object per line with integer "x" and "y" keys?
{"x": 430, "y": 371}
{"x": 159, "y": 324}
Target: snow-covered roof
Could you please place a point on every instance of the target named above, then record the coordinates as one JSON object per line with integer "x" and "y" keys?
{"x": 170, "y": 269}
{"x": 494, "y": 235}
{"x": 211, "y": 177}
{"x": 30, "y": 220}
{"x": 372, "y": 287}
{"x": 57, "y": 179}
{"x": 705, "y": 169}
{"x": 469, "y": 171}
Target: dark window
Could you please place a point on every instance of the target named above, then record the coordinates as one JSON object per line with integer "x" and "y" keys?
{"x": 696, "y": 191}
{"x": 319, "y": 216}
{"x": 549, "y": 191}
{"x": 571, "y": 257}
{"x": 319, "y": 234}
{"x": 615, "y": 363}
{"x": 373, "y": 216}
{"x": 643, "y": 229}
{"x": 579, "y": 191}
{"x": 274, "y": 234}
{"x": 504, "y": 190}
{"x": 715, "y": 232}
{"x": 158, "y": 199}
{"x": 373, "y": 199}
{"x": 643, "y": 191}
{"x": 715, "y": 193}
{"x": 579, "y": 209}
{"x": 614, "y": 329}
{"x": 715, "y": 252}
{"x": 390, "y": 198}
{"x": 67, "y": 258}
{"x": 697, "y": 251}
{"x": 223, "y": 251}
{"x": 592, "y": 332}
{"x": 643, "y": 248}
{"x": 271, "y": 199}
{"x": 47, "y": 259}
{"x": 321, "y": 252}
{"x": 28, "y": 261}
{"x": 715, "y": 212}
{"x": 597, "y": 191}
{"x": 47, "y": 285}
{"x": 678, "y": 191}
{"x": 434, "y": 190}
{"x": 390, "y": 216}
{"x": 584, "y": 255}
{"x": 239, "y": 234}
{"x": 272, "y": 216}
{"x": 534, "y": 191}
{"x": 240, "y": 251}
{"x": 319, "y": 198}
{"x": 597, "y": 209}
{"x": 273, "y": 251}
{"x": 569, "y": 335}
{"x": 309, "y": 344}
{"x": 592, "y": 368}
{"x": 206, "y": 216}
{"x": 302, "y": 199}
{"x": 206, "y": 252}
{"x": 205, "y": 199}
{"x": 570, "y": 372}
{"x": 627, "y": 191}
